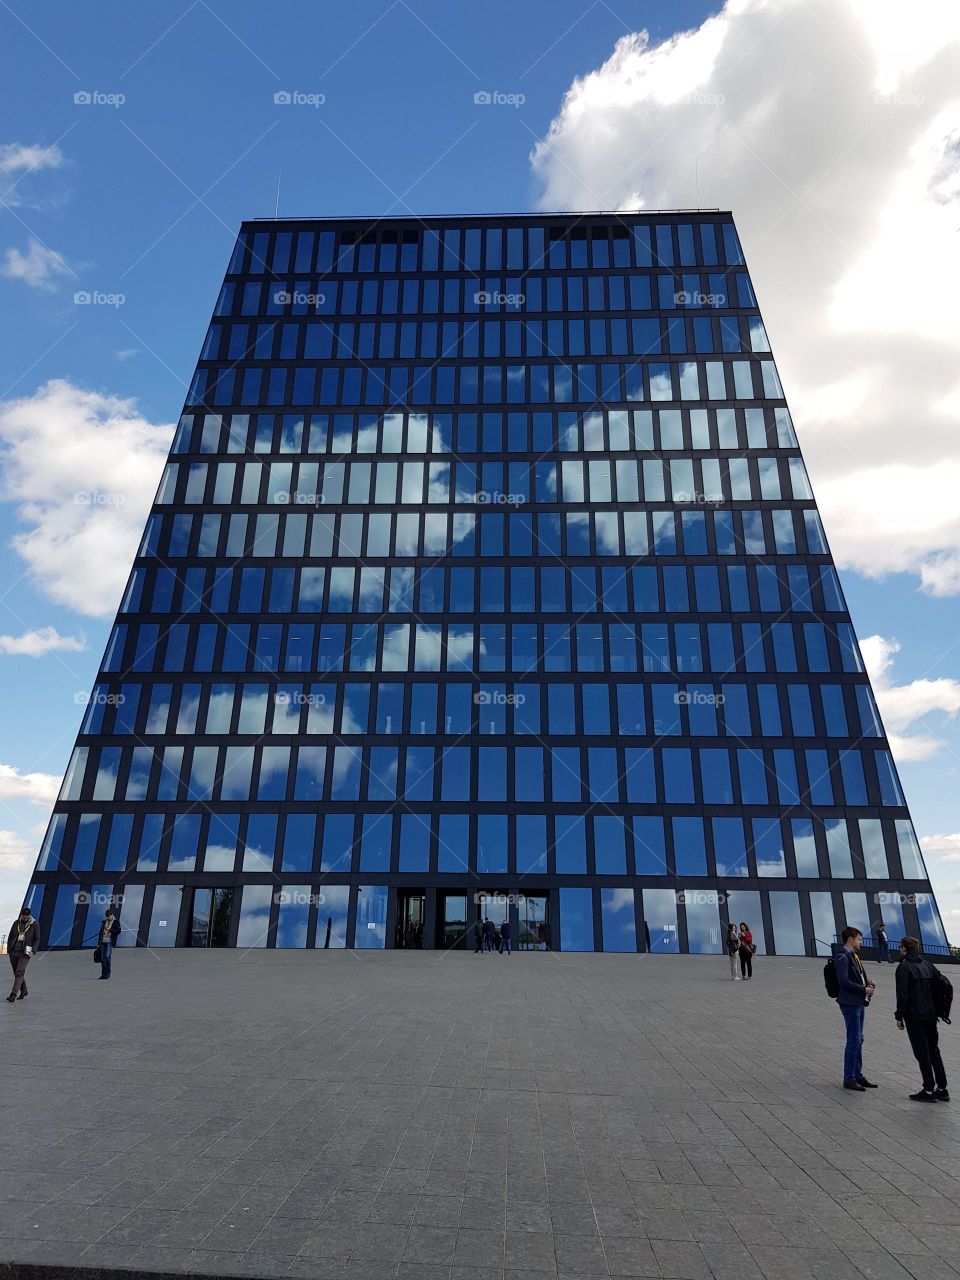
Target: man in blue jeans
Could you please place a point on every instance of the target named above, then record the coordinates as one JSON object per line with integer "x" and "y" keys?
{"x": 855, "y": 993}
{"x": 107, "y": 937}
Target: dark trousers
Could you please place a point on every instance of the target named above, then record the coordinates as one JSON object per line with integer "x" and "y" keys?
{"x": 18, "y": 963}
{"x": 853, "y": 1016}
{"x": 746, "y": 962}
{"x": 106, "y": 956}
{"x": 925, "y": 1043}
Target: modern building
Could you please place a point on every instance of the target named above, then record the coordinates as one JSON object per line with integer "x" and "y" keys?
{"x": 484, "y": 579}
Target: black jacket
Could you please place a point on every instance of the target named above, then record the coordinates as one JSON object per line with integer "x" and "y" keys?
{"x": 915, "y": 988}
{"x": 31, "y": 937}
{"x": 114, "y": 931}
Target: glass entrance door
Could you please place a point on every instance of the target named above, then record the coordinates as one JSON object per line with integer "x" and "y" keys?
{"x": 210, "y": 919}
{"x": 453, "y": 921}
{"x": 411, "y": 906}
{"x": 534, "y": 912}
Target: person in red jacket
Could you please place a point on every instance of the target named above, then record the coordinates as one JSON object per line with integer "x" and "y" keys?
{"x": 746, "y": 952}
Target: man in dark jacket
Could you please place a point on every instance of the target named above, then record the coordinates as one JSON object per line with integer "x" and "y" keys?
{"x": 854, "y": 995}
{"x": 505, "y": 937}
{"x": 487, "y": 934}
{"x": 883, "y": 944}
{"x": 107, "y": 937}
{"x": 917, "y": 1011}
{"x": 21, "y": 943}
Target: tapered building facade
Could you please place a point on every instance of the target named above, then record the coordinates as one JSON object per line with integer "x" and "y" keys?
{"x": 484, "y": 579}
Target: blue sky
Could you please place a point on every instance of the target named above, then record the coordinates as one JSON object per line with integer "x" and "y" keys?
{"x": 135, "y": 198}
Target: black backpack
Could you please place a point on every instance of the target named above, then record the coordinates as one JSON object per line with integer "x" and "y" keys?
{"x": 830, "y": 980}
{"x": 942, "y": 991}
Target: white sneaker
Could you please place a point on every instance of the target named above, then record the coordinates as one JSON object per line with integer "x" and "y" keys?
{"x": 737, "y": 978}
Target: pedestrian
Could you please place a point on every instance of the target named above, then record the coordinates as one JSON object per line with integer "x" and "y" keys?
{"x": 883, "y": 944}
{"x": 487, "y": 934}
{"x": 854, "y": 993}
{"x": 21, "y": 944}
{"x": 107, "y": 936}
{"x": 917, "y": 1011}
{"x": 505, "y": 938}
{"x": 747, "y": 950}
{"x": 733, "y": 950}
{"x": 477, "y": 937}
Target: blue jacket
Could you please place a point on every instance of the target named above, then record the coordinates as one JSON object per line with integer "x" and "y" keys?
{"x": 852, "y": 985}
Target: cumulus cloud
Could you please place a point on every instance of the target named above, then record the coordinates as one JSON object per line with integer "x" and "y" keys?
{"x": 18, "y": 157}
{"x": 39, "y": 267}
{"x": 902, "y": 706}
{"x": 15, "y": 852}
{"x": 942, "y": 848}
{"x": 82, "y": 467}
{"x": 832, "y": 129}
{"x": 37, "y": 788}
{"x": 34, "y": 644}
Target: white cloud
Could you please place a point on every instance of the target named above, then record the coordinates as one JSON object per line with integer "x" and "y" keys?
{"x": 83, "y": 467}
{"x": 901, "y": 706}
{"x": 15, "y": 852}
{"x": 18, "y": 157}
{"x": 832, "y": 129}
{"x": 943, "y": 848}
{"x": 37, "y": 788}
{"x": 39, "y": 267}
{"x": 34, "y": 644}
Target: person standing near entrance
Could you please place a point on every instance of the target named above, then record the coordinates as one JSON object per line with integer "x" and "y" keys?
{"x": 487, "y": 934}
{"x": 883, "y": 944}
{"x": 747, "y": 949}
{"x": 917, "y": 1011}
{"x": 733, "y": 950}
{"x": 854, "y": 993}
{"x": 107, "y": 936}
{"x": 21, "y": 944}
{"x": 505, "y": 937}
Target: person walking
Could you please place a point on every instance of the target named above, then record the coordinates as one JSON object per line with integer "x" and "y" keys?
{"x": 487, "y": 934}
{"x": 883, "y": 944}
{"x": 22, "y": 942}
{"x": 505, "y": 938}
{"x": 855, "y": 991}
{"x": 917, "y": 1011}
{"x": 747, "y": 949}
{"x": 733, "y": 950}
{"x": 107, "y": 936}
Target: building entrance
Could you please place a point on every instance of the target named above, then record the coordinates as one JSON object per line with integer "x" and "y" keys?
{"x": 411, "y": 906}
{"x": 210, "y": 917}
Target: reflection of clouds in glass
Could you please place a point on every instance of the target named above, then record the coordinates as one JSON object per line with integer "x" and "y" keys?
{"x": 255, "y": 859}
{"x": 429, "y": 648}
{"x": 157, "y": 719}
{"x": 460, "y": 648}
{"x": 408, "y": 535}
{"x": 434, "y": 534}
{"x": 608, "y": 533}
{"x": 396, "y": 645}
{"x": 341, "y": 586}
{"x": 392, "y": 433}
{"x": 189, "y": 708}
{"x": 573, "y": 482}
{"x": 619, "y": 900}
{"x": 253, "y": 712}
{"x": 286, "y": 710}
{"x": 371, "y": 588}
{"x": 593, "y": 431}
{"x": 401, "y": 589}
{"x": 660, "y": 387}
{"x": 219, "y": 857}
{"x": 274, "y": 763}
{"x": 550, "y": 478}
{"x": 417, "y": 433}
{"x": 438, "y": 486}
{"x": 346, "y": 763}
{"x": 463, "y": 526}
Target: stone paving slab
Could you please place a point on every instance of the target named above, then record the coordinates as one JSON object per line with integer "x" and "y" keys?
{"x": 425, "y": 1116}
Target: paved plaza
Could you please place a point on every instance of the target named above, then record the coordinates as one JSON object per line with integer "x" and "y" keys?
{"x": 461, "y": 1117}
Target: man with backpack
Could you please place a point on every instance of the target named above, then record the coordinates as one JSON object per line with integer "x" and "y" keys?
{"x": 923, "y": 996}
{"x": 846, "y": 980}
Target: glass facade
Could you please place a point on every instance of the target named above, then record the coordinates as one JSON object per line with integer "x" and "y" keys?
{"x": 484, "y": 579}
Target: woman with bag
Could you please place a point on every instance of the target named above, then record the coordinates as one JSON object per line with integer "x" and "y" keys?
{"x": 747, "y": 951}
{"x": 733, "y": 950}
